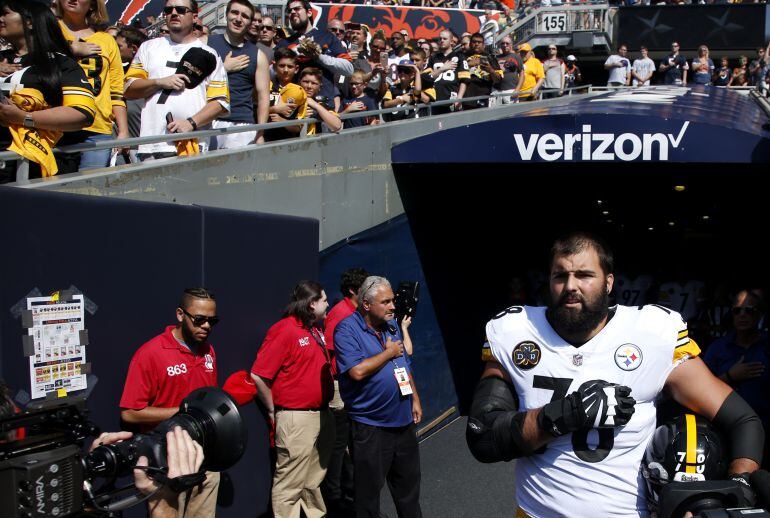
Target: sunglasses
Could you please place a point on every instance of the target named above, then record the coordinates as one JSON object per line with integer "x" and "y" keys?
{"x": 337, "y": 31}
{"x": 199, "y": 320}
{"x": 743, "y": 310}
{"x": 266, "y": 28}
{"x": 180, "y": 9}
{"x": 295, "y": 9}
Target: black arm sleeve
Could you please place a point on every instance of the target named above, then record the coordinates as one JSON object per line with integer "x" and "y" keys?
{"x": 741, "y": 426}
{"x": 494, "y": 426}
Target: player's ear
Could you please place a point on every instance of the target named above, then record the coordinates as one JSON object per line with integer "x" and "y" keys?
{"x": 179, "y": 315}
{"x": 610, "y": 282}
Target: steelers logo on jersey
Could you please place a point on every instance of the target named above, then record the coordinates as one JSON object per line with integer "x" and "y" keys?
{"x": 628, "y": 357}
{"x": 526, "y": 355}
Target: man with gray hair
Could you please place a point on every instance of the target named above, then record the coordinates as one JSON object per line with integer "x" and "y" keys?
{"x": 377, "y": 386}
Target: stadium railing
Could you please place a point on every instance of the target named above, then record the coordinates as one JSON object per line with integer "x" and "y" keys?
{"x": 23, "y": 167}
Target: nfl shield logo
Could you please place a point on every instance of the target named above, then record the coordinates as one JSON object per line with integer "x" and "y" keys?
{"x": 577, "y": 360}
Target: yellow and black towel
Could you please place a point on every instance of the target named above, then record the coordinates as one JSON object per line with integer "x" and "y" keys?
{"x": 32, "y": 143}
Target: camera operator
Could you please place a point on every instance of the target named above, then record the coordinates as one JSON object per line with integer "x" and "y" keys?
{"x": 166, "y": 369}
{"x": 184, "y": 457}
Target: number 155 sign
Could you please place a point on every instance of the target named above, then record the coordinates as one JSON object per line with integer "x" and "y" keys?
{"x": 554, "y": 22}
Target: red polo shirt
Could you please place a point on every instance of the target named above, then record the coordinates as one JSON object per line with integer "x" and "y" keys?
{"x": 296, "y": 361}
{"x": 163, "y": 372}
{"x": 341, "y": 310}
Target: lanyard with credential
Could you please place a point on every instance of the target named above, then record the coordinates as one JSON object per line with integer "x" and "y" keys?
{"x": 402, "y": 376}
{"x": 319, "y": 339}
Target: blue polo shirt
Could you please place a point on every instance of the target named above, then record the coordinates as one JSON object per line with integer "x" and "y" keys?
{"x": 376, "y": 400}
{"x": 724, "y": 353}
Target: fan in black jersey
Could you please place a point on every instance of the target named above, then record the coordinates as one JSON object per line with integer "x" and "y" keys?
{"x": 408, "y": 91}
{"x": 48, "y": 96}
{"x": 449, "y": 69}
{"x": 485, "y": 72}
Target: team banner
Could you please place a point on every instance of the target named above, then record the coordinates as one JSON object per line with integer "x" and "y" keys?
{"x": 733, "y": 27}
{"x": 419, "y": 22}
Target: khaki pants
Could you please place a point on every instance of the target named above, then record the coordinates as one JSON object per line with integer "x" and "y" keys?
{"x": 202, "y": 502}
{"x": 303, "y": 442}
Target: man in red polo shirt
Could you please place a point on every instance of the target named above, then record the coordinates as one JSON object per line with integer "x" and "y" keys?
{"x": 337, "y": 487}
{"x": 165, "y": 370}
{"x": 293, "y": 376}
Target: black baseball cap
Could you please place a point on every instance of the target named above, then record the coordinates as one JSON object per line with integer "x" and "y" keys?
{"x": 196, "y": 64}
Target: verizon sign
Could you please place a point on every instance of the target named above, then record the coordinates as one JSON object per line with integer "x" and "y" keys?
{"x": 588, "y": 146}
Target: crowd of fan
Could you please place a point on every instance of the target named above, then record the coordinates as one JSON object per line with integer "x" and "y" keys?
{"x": 177, "y": 77}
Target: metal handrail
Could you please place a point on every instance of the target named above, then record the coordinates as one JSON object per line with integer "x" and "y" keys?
{"x": 173, "y": 137}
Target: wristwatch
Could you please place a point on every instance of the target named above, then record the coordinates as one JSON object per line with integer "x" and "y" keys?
{"x": 192, "y": 123}
{"x": 29, "y": 122}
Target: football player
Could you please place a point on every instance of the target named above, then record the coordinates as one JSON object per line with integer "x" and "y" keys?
{"x": 570, "y": 390}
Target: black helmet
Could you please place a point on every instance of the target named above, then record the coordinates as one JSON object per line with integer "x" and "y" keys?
{"x": 688, "y": 449}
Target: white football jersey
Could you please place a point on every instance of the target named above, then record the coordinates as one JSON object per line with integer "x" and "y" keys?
{"x": 158, "y": 58}
{"x": 593, "y": 473}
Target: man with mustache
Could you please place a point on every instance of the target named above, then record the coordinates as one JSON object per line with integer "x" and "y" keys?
{"x": 377, "y": 386}
{"x": 323, "y": 51}
{"x": 570, "y": 391}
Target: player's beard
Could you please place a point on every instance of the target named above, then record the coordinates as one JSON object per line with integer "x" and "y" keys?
{"x": 579, "y": 321}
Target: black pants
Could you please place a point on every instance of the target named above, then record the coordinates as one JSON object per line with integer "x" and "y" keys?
{"x": 386, "y": 454}
{"x": 338, "y": 483}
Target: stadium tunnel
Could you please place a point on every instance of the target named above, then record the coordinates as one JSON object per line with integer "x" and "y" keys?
{"x": 486, "y": 209}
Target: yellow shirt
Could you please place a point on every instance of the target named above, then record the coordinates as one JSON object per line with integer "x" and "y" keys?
{"x": 533, "y": 72}
{"x": 104, "y": 72}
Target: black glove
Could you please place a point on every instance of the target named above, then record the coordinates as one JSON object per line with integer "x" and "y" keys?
{"x": 750, "y": 498}
{"x": 596, "y": 404}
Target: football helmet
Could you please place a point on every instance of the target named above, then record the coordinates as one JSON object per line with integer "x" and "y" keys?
{"x": 688, "y": 449}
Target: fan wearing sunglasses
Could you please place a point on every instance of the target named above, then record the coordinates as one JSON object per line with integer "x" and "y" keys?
{"x": 740, "y": 358}
{"x": 166, "y": 369}
{"x": 182, "y": 81}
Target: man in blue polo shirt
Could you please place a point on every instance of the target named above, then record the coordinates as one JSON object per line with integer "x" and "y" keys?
{"x": 380, "y": 395}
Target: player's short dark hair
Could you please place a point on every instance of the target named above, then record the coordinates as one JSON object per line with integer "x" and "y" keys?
{"x": 132, "y": 35}
{"x": 311, "y": 71}
{"x": 244, "y": 3}
{"x": 477, "y": 35}
{"x": 419, "y": 52}
{"x": 577, "y": 242}
{"x": 284, "y": 53}
{"x": 351, "y": 280}
{"x": 191, "y": 294}
{"x": 305, "y": 293}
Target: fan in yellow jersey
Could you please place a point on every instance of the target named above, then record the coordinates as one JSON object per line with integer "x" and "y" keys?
{"x": 288, "y": 101}
{"x": 570, "y": 391}
{"x": 99, "y": 57}
{"x": 318, "y": 107}
{"x": 177, "y": 75}
{"x": 48, "y": 93}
